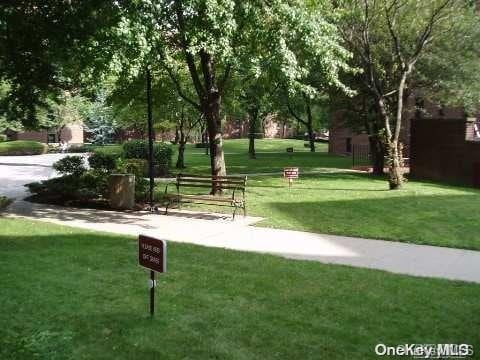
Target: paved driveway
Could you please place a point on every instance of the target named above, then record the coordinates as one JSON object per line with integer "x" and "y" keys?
{"x": 16, "y": 171}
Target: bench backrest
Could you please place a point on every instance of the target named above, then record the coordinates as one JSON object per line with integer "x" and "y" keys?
{"x": 219, "y": 182}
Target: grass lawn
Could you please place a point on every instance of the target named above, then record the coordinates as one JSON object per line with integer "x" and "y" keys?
{"x": 354, "y": 204}
{"x": 22, "y": 147}
{"x": 73, "y": 294}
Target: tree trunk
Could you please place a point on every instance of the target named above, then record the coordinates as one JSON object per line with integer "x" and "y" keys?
{"x": 311, "y": 134}
{"x": 395, "y": 175}
{"x": 181, "y": 155}
{"x": 377, "y": 151}
{"x": 177, "y": 136}
{"x": 182, "y": 141}
{"x": 252, "y": 123}
{"x": 311, "y": 137}
{"x": 211, "y": 111}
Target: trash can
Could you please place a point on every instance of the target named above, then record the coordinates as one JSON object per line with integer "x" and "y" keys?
{"x": 121, "y": 188}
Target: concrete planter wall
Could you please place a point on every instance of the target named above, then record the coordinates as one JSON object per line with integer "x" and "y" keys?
{"x": 122, "y": 191}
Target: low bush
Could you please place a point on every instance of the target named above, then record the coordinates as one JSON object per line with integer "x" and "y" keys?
{"x": 102, "y": 161}
{"x": 4, "y": 202}
{"x": 3, "y": 137}
{"x": 90, "y": 185}
{"x": 138, "y": 149}
{"x": 22, "y": 147}
{"x": 70, "y": 165}
{"x": 136, "y": 167}
{"x": 80, "y": 148}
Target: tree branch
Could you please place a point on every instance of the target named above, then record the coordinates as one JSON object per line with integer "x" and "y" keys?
{"x": 185, "y": 46}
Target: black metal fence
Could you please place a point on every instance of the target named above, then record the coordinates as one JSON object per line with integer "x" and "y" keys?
{"x": 361, "y": 155}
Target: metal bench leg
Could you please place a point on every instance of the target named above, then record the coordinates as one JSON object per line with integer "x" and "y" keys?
{"x": 244, "y": 211}
{"x": 234, "y": 212}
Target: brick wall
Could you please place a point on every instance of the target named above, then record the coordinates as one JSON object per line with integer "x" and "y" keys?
{"x": 444, "y": 150}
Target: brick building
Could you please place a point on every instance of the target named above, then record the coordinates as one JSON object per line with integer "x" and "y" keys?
{"x": 343, "y": 137}
{"x": 72, "y": 134}
{"x": 446, "y": 150}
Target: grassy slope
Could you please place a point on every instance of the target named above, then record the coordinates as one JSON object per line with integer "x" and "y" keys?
{"x": 69, "y": 293}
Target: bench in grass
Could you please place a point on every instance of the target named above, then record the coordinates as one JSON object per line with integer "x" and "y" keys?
{"x": 230, "y": 191}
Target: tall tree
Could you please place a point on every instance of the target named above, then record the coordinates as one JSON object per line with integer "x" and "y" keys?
{"x": 388, "y": 39}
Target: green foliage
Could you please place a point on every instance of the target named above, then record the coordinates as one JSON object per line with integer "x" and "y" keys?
{"x": 4, "y": 202}
{"x": 138, "y": 167}
{"x": 22, "y": 147}
{"x": 100, "y": 121}
{"x": 70, "y": 165}
{"x": 89, "y": 185}
{"x": 138, "y": 149}
{"x": 43, "y": 49}
{"x": 83, "y": 148}
{"x": 3, "y": 137}
{"x": 102, "y": 161}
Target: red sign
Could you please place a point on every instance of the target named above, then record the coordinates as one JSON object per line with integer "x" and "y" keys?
{"x": 152, "y": 253}
{"x": 290, "y": 173}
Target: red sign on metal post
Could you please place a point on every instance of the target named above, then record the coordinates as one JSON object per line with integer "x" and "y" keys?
{"x": 290, "y": 173}
{"x": 152, "y": 253}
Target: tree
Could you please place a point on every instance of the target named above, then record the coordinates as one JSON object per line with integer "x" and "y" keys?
{"x": 212, "y": 40}
{"x": 42, "y": 47}
{"x": 100, "y": 122}
{"x": 388, "y": 39}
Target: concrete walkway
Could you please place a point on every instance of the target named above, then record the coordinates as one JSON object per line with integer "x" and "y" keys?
{"x": 216, "y": 230}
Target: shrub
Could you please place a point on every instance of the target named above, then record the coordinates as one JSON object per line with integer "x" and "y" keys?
{"x": 136, "y": 167}
{"x": 22, "y": 147}
{"x": 70, "y": 165}
{"x": 80, "y": 148}
{"x": 138, "y": 149}
{"x": 90, "y": 185}
{"x": 102, "y": 161}
{"x": 3, "y": 137}
{"x": 4, "y": 202}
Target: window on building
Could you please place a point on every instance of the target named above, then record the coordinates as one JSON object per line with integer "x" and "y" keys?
{"x": 348, "y": 148}
{"x": 52, "y": 138}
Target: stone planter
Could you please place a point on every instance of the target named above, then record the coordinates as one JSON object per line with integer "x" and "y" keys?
{"x": 122, "y": 191}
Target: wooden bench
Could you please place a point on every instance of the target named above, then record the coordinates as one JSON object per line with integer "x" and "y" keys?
{"x": 230, "y": 191}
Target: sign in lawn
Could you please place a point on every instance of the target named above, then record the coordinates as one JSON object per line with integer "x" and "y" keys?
{"x": 152, "y": 254}
{"x": 290, "y": 173}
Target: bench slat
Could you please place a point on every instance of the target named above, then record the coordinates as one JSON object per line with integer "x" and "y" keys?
{"x": 209, "y": 177}
{"x": 220, "y": 187}
{"x": 204, "y": 198}
{"x": 209, "y": 181}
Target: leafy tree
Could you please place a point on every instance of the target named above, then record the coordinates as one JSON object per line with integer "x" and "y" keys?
{"x": 388, "y": 40}
{"x": 100, "y": 121}
{"x": 43, "y": 45}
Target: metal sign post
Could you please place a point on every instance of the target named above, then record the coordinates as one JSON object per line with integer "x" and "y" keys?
{"x": 152, "y": 254}
{"x": 290, "y": 174}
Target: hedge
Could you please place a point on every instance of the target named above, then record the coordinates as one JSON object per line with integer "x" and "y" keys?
{"x": 138, "y": 149}
{"x": 22, "y": 147}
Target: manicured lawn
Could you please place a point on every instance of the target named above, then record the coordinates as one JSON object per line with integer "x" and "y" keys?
{"x": 22, "y": 147}
{"x": 354, "y": 204}
{"x": 70, "y": 293}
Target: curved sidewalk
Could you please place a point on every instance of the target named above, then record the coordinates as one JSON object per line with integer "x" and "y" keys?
{"x": 217, "y": 230}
